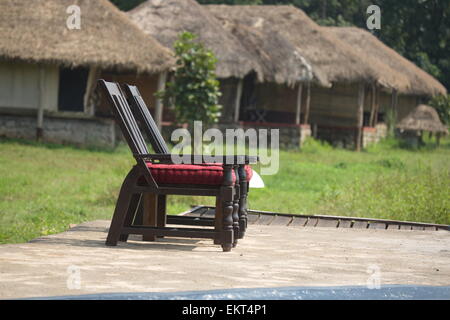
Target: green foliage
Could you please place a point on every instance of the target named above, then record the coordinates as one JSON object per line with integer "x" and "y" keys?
{"x": 126, "y": 5}
{"x": 442, "y": 105}
{"x": 194, "y": 90}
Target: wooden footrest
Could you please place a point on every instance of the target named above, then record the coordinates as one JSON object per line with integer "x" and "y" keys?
{"x": 172, "y": 232}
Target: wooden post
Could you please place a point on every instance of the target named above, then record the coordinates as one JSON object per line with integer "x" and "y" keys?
{"x": 372, "y": 106}
{"x": 159, "y": 105}
{"x": 149, "y": 216}
{"x": 237, "y": 102}
{"x": 308, "y": 102}
{"x": 360, "y": 117}
{"x": 394, "y": 100}
{"x": 299, "y": 103}
{"x": 90, "y": 85}
{"x": 40, "y": 111}
{"x": 377, "y": 106}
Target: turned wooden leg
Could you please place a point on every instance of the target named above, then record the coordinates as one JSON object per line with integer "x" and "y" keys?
{"x": 236, "y": 209}
{"x": 243, "y": 190}
{"x": 227, "y": 195}
{"x": 218, "y": 219}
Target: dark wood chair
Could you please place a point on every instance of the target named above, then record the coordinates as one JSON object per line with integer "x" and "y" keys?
{"x": 157, "y": 175}
{"x": 243, "y": 171}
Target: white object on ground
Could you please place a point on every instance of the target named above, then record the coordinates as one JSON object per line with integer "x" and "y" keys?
{"x": 256, "y": 181}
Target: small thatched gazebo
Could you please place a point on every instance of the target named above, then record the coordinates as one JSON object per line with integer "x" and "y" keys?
{"x": 166, "y": 19}
{"x": 49, "y": 63}
{"x": 420, "y": 119}
{"x": 420, "y": 85}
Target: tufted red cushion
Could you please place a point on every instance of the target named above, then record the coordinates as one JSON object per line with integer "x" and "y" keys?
{"x": 249, "y": 172}
{"x": 187, "y": 174}
{"x": 248, "y": 169}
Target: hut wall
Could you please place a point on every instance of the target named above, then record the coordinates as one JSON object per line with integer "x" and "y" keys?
{"x": 270, "y": 102}
{"x": 405, "y": 104}
{"x": 335, "y": 106}
{"x": 57, "y": 128}
{"x": 20, "y": 86}
{"x": 228, "y": 88}
{"x": 147, "y": 85}
{"x": 333, "y": 113}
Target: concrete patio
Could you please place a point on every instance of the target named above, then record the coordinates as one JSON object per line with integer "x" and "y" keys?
{"x": 77, "y": 261}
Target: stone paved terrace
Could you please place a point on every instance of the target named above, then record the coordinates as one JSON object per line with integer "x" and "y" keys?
{"x": 269, "y": 256}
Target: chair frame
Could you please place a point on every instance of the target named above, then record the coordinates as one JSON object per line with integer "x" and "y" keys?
{"x": 140, "y": 182}
{"x": 148, "y": 125}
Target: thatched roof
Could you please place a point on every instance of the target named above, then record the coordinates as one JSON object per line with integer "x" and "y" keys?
{"x": 166, "y": 19}
{"x": 36, "y": 31}
{"x": 419, "y": 82}
{"x": 328, "y": 56}
{"x": 422, "y": 118}
{"x": 279, "y": 60}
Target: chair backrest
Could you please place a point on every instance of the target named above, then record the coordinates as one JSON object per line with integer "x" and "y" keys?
{"x": 142, "y": 113}
{"x": 124, "y": 117}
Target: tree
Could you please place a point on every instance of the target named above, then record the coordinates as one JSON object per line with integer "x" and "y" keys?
{"x": 126, "y": 5}
{"x": 194, "y": 89}
{"x": 442, "y": 106}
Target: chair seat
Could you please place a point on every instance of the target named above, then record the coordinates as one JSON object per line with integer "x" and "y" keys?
{"x": 211, "y": 174}
{"x": 248, "y": 169}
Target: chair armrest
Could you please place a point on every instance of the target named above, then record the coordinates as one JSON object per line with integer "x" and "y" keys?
{"x": 232, "y": 160}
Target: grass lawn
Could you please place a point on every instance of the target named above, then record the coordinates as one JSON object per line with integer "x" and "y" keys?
{"x": 44, "y": 188}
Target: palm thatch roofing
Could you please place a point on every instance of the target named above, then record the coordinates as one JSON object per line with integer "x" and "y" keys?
{"x": 36, "y": 31}
{"x": 279, "y": 60}
{"x": 422, "y": 118}
{"x": 328, "y": 56}
{"x": 166, "y": 19}
{"x": 419, "y": 82}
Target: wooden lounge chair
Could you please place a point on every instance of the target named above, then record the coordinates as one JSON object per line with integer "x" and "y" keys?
{"x": 156, "y": 175}
{"x": 148, "y": 125}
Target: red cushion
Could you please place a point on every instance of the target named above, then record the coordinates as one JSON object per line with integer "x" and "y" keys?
{"x": 249, "y": 172}
{"x": 187, "y": 174}
{"x": 248, "y": 169}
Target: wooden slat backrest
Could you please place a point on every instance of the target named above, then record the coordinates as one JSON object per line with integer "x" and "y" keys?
{"x": 142, "y": 113}
{"x": 127, "y": 124}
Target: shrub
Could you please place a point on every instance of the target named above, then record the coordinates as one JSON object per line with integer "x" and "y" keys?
{"x": 442, "y": 105}
{"x": 194, "y": 90}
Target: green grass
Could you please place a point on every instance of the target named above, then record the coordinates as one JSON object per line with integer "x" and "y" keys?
{"x": 44, "y": 188}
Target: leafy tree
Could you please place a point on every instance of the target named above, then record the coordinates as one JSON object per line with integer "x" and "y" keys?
{"x": 194, "y": 89}
{"x": 442, "y": 106}
{"x": 126, "y": 5}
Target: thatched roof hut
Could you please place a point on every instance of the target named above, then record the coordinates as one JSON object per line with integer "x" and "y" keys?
{"x": 328, "y": 56}
{"x": 166, "y": 19}
{"x": 362, "y": 41}
{"x": 422, "y": 118}
{"x": 36, "y": 31}
{"x": 279, "y": 60}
